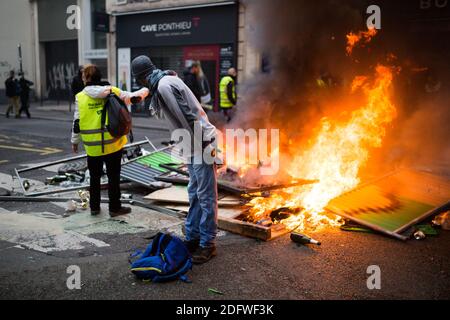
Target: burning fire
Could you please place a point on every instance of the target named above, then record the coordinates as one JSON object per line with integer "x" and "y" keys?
{"x": 354, "y": 38}
{"x": 336, "y": 154}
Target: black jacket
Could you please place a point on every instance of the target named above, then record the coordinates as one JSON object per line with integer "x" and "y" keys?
{"x": 25, "y": 87}
{"x": 192, "y": 82}
{"x": 12, "y": 87}
{"x": 77, "y": 85}
{"x": 231, "y": 91}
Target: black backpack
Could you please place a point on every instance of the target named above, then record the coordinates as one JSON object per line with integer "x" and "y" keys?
{"x": 120, "y": 121}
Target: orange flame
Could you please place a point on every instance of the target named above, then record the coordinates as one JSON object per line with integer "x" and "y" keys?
{"x": 354, "y": 38}
{"x": 335, "y": 156}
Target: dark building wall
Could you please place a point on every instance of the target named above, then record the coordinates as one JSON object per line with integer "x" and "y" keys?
{"x": 60, "y": 48}
{"x": 52, "y": 20}
{"x": 61, "y": 66}
{"x": 420, "y": 24}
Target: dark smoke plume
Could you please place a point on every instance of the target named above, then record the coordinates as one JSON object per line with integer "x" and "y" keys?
{"x": 304, "y": 40}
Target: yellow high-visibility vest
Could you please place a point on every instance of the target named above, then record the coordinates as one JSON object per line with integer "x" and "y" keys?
{"x": 90, "y": 110}
{"x": 321, "y": 83}
{"x": 224, "y": 101}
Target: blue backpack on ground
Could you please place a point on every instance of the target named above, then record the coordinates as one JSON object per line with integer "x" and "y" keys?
{"x": 166, "y": 259}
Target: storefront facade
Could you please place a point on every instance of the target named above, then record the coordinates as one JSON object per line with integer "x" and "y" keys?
{"x": 175, "y": 38}
{"x": 58, "y": 49}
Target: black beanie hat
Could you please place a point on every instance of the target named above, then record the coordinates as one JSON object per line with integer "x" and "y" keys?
{"x": 142, "y": 67}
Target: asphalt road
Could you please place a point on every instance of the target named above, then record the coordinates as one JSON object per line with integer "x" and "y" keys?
{"x": 244, "y": 269}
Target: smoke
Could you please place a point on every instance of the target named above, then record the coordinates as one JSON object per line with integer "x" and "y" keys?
{"x": 420, "y": 136}
{"x": 303, "y": 41}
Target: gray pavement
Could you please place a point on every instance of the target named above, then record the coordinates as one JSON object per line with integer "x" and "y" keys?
{"x": 244, "y": 269}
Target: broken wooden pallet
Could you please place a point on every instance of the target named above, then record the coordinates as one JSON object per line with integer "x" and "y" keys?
{"x": 177, "y": 177}
{"x": 229, "y": 220}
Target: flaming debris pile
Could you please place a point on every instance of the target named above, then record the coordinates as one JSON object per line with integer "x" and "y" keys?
{"x": 334, "y": 155}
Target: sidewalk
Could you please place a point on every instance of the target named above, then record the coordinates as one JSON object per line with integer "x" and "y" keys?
{"x": 52, "y": 111}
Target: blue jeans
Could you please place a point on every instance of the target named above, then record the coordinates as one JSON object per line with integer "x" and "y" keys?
{"x": 201, "y": 222}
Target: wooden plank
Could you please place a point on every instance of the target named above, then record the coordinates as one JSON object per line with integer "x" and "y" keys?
{"x": 245, "y": 229}
{"x": 226, "y": 213}
{"x": 227, "y": 186}
{"x": 230, "y": 213}
{"x": 179, "y": 195}
{"x": 228, "y": 222}
{"x": 252, "y": 230}
{"x": 179, "y": 207}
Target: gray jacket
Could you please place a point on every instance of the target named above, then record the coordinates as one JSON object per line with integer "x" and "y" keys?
{"x": 183, "y": 111}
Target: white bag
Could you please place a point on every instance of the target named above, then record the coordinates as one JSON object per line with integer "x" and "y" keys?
{"x": 206, "y": 99}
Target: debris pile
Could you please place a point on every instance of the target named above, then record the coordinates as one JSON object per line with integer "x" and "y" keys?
{"x": 393, "y": 205}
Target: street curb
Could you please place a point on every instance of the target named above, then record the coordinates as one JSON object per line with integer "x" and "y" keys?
{"x": 156, "y": 128}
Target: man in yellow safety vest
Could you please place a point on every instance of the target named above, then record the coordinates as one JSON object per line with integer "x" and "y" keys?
{"x": 228, "y": 93}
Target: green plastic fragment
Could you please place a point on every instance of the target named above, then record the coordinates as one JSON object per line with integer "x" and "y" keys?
{"x": 356, "y": 229}
{"x": 215, "y": 291}
{"x": 427, "y": 229}
{"x": 154, "y": 160}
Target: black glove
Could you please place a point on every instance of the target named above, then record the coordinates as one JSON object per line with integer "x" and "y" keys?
{"x": 135, "y": 100}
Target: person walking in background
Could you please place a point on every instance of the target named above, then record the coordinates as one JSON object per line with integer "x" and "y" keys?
{"x": 191, "y": 76}
{"x": 25, "y": 95}
{"x": 12, "y": 88}
{"x": 228, "y": 96}
{"x": 77, "y": 82}
{"x": 87, "y": 127}
{"x": 205, "y": 99}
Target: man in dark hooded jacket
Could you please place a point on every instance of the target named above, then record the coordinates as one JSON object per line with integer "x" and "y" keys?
{"x": 77, "y": 82}
{"x": 191, "y": 78}
{"x": 189, "y": 123}
{"x": 25, "y": 95}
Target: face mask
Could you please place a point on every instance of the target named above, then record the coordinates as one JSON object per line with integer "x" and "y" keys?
{"x": 142, "y": 82}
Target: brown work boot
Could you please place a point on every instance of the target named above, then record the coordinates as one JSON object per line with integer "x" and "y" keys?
{"x": 192, "y": 245}
{"x": 122, "y": 211}
{"x": 203, "y": 255}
